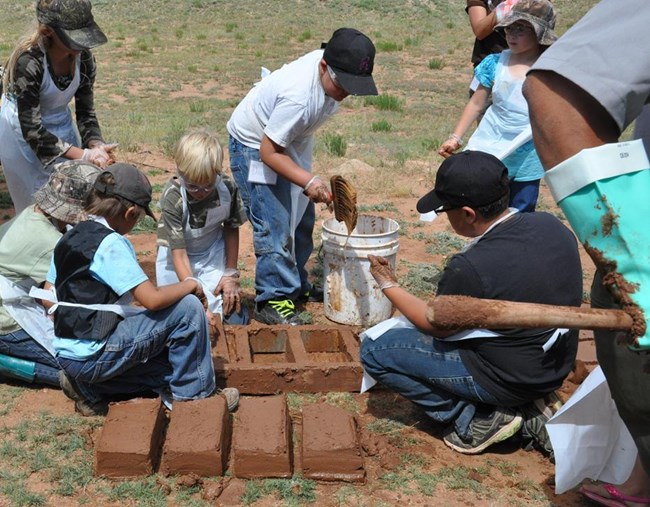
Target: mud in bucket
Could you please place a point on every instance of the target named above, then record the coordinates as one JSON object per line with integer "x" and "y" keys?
{"x": 351, "y": 294}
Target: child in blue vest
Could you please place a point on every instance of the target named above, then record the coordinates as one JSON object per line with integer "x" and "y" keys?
{"x": 105, "y": 346}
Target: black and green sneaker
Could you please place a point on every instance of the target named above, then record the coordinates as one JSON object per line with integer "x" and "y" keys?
{"x": 315, "y": 295}
{"x": 498, "y": 426}
{"x": 536, "y": 414}
{"x": 277, "y": 311}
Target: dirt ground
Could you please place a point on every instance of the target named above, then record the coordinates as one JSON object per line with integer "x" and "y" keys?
{"x": 406, "y": 460}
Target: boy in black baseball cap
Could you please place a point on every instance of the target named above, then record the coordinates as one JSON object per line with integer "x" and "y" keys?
{"x": 271, "y": 146}
{"x": 508, "y": 374}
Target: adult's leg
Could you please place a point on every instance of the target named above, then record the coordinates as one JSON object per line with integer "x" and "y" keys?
{"x": 19, "y": 344}
{"x": 180, "y": 332}
{"x": 428, "y": 372}
{"x": 624, "y": 371}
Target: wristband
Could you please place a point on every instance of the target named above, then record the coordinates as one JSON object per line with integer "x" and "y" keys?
{"x": 231, "y": 272}
{"x": 310, "y": 183}
{"x": 456, "y": 138}
{"x": 388, "y": 285}
{"x": 198, "y": 282}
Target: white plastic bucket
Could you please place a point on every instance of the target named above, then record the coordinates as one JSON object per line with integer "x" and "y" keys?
{"x": 351, "y": 294}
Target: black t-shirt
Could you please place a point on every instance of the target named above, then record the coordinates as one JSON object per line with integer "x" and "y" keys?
{"x": 493, "y": 43}
{"x": 531, "y": 257}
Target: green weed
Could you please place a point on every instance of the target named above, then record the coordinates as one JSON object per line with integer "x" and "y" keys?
{"x": 335, "y": 144}
{"x": 383, "y": 102}
{"x": 144, "y": 492}
{"x": 381, "y": 126}
{"x": 306, "y": 35}
{"x": 198, "y": 107}
{"x": 342, "y": 400}
{"x": 392, "y": 430}
{"x": 380, "y": 207}
{"x": 412, "y": 41}
{"x": 230, "y": 26}
{"x": 444, "y": 243}
{"x": 436, "y": 64}
{"x": 193, "y": 68}
{"x": 146, "y": 225}
{"x": 421, "y": 279}
{"x": 388, "y": 46}
{"x": 294, "y": 491}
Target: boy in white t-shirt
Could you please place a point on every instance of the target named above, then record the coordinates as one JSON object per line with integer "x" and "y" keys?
{"x": 271, "y": 145}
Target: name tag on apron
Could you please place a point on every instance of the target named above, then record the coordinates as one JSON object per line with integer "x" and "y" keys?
{"x": 260, "y": 173}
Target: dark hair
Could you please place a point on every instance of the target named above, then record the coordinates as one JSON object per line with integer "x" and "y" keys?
{"x": 494, "y": 208}
{"x": 100, "y": 204}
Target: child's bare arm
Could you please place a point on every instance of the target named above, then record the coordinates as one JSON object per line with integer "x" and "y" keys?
{"x": 181, "y": 263}
{"x": 158, "y": 298}
{"x": 470, "y": 114}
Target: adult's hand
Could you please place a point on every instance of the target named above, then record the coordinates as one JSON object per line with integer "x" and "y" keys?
{"x": 229, "y": 289}
{"x": 96, "y": 156}
{"x": 318, "y": 191}
{"x": 382, "y": 272}
{"x": 449, "y": 147}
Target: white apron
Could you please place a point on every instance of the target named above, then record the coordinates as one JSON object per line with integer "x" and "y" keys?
{"x": 506, "y": 118}
{"x": 23, "y": 170}
{"x": 205, "y": 248}
{"x": 29, "y": 315}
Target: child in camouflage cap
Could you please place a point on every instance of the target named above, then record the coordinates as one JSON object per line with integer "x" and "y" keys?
{"x": 45, "y": 72}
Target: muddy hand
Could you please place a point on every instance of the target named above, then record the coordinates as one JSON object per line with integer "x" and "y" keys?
{"x": 229, "y": 289}
{"x": 382, "y": 272}
{"x": 318, "y": 191}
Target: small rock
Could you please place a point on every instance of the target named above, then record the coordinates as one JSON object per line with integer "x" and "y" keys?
{"x": 188, "y": 480}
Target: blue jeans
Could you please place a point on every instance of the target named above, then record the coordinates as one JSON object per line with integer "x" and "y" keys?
{"x": 277, "y": 274}
{"x": 428, "y": 372}
{"x": 524, "y": 194}
{"x": 165, "y": 350}
{"x": 19, "y": 344}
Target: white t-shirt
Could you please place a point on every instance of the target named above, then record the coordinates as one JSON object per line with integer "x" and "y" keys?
{"x": 287, "y": 106}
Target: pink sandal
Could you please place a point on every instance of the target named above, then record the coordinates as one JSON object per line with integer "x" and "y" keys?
{"x": 615, "y": 499}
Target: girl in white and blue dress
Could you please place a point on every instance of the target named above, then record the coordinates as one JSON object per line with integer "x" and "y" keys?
{"x": 529, "y": 30}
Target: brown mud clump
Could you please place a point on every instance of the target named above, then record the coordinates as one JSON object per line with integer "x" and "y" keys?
{"x": 620, "y": 289}
{"x": 609, "y": 219}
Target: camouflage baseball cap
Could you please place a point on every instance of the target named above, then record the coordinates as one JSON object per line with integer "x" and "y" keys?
{"x": 72, "y": 21}
{"x": 64, "y": 195}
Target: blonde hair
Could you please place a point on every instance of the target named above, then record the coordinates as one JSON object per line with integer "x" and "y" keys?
{"x": 199, "y": 156}
{"x": 38, "y": 37}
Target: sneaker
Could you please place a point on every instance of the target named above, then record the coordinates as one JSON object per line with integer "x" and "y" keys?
{"x": 536, "y": 414}
{"x": 277, "y": 311}
{"x": 232, "y": 397}
{"x": 315, "y": 295}
{"x": 82, "y": 405}
{"x": 498, "y": 426}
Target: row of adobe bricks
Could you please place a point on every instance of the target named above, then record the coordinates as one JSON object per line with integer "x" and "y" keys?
{"x": 137, "y": 441}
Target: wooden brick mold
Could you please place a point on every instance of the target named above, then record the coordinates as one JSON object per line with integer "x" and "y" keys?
{"x": 272, "y": 359}
{"x": 198, "y": 438}
{"x": 330, "y": 444}
{"x": 262, "y": 444}
{"x": 131, "y": 439}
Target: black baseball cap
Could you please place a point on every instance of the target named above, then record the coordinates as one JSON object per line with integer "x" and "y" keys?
{"x": 469, "y": 178}
{"x": 130, "y": 184}
{"x": 72, "y": 21}
{"x": 351, "y": 55}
